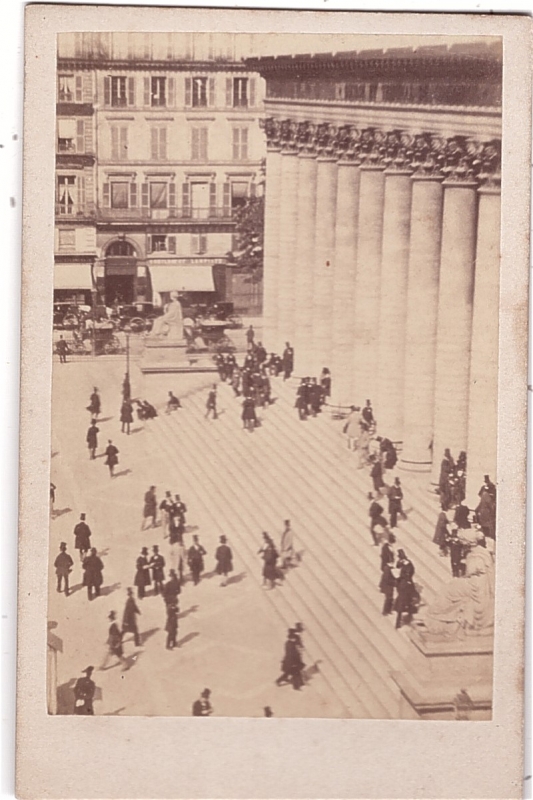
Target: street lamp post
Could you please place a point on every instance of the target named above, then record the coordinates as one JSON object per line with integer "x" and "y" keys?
{"x": 126, "y": 386}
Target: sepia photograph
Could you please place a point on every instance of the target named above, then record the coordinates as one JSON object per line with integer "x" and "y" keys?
{"x": 279, "y": 334}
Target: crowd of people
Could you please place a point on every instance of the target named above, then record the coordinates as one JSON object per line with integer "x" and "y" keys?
{"x": 312, "y": 394}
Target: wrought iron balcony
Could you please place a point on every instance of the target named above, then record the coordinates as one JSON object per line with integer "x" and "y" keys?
{"x": 187, "y": 214}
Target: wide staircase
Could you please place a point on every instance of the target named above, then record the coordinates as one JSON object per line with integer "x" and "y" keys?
{"x": 240, "y": 484}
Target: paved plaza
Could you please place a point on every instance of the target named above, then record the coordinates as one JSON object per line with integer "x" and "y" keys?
{"x": 238, "y": 484}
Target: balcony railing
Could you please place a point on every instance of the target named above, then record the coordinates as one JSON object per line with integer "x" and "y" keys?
{"x": 73, "y": 211}
{"x": 186, "y": 214}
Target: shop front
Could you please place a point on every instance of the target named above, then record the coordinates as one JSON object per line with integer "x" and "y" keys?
{"x": 73, "y": 283}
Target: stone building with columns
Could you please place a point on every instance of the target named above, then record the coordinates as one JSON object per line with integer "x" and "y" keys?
{"x": 382, "y": 235}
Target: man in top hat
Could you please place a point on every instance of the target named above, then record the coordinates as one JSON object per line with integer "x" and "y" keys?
{"x": 157, "y": 564}
{"x": 195, "y": 557}
{"x": 292, "y": 664}
{"x": 114, "y": 643}
{"x": 82, "y": 537}
{"x": 211, "y": 402}
{"x": 202, "y": 707}
{"x": 129, "y": 618}
{"x": 164, "y": 506}
{"x": 63, "y": 565}
{"x": 287, "y": 361}
{"x": 84, "y": 690}
{"x": 150, "y": 508}
{"x": 171, "y": 589}
{"x": 92, "y": 439}
{"x": 224, "y": 559}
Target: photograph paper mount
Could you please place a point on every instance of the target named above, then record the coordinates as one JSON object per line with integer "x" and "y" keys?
{"x": 365, "y": 125}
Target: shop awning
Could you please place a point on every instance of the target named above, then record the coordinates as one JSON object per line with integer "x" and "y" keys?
{"x": 174, "y": 277}
{"x": 73, "y": 276}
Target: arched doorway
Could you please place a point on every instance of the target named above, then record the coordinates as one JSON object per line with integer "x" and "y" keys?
{"x": 120, "y": 273}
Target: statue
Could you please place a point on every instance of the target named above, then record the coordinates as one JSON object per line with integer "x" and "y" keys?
{"x": 171, "y": 323}
{"x": 465, "y": 606}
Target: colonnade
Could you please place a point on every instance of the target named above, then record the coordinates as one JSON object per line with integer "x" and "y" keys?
{"x": 382, "y": 263}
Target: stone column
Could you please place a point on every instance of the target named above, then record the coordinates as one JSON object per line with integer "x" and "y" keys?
{"x": 367, "y": 281}
{"x": 483, "y": 402}
{"x": 287, "y": 246}
{"x": 271, "y": 247}
{"x": 322, "y": 310}
{"x": 388, "y": 407}
{"x": 304, "y": 263}
{"x": 421, "y": 325}
{"x": 348, "y": 178}
{"x": 454, "y": 321}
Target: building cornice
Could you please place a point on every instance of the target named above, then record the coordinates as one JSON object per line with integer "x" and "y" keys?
{"x": 150, "y": 65}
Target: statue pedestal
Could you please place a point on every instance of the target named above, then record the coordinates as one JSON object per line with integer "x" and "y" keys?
{"x": 170, "y": 355}
{"x": 439, "y": 669}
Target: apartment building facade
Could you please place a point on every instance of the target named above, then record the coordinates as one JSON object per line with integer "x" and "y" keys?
{"x": 154, "y": 155}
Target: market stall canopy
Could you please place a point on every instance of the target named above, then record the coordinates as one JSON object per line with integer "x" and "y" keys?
{"x": 176, "y": 277}
{"x": 73, "y": 276}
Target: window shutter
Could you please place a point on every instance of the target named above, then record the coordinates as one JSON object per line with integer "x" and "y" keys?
{"x": 172, "y": 195}
{"x": 227, "y": 200}
{"x": 172, "y": 244}
{"x": 123, "y": 143}
{"x": 80, "y": 136}
{"x": 203, "y": 144}
{"x": 154, "y": 141}
{"x": 81, "y": 192}
{"x": 146, "y": 93}
{"x": 148, "y": 243}
{"x": 114, "y": 142}
{"x": 251, "y": 96}
{"x": 171, "y": 100}
{"x": 131, "y": 91}
{"x": 186, "y": 199}
{"x": 211, "y": 101}
{"x": 202, "y": 242}
{"x": 212, "y": 199}
{"x": 229, "y": 92}
{"x": 133, "y": 195}
{"x": 107, "y": 91}
{"x": 145, "y": 195}
{"x": 236, "y": 143}
{"x": 188, "y": 92}
{"x": 163, "y": 143}
{"x": 107, "y": 196}
{"x": 244, "y": 144}
{"x": 195, "y": 149}
{"x": 195, "y": 243}
{"x": 79, "y": 89}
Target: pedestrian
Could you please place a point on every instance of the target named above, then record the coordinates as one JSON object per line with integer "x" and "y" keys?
{"x": 287, "y": 361}
{"x": 489, "y": 487}
{"x": 375, "y": 512}
{"x": 387, "y": 586}
{"x": 202, "y": 707}
{"x": 292, "y": 664}
{"x": 114, "y": 644}
{"x": 82, "y": 537}
{"x": 211, "y": 403}
{"x": 486, "y": 514}
{"x": 267, "y": 711}
{"x": 171, "y": 626}
{"x": 440, "y": 536}
{"x": 376, "y": 473}
{"x": 351, "y": 427}
{"x": 325, "y": 383}
{"x": 171, "y": 589}
{"x": 387, "y": 551}
{"x": 220, "y": 363}
{"x": 62, "y": 349}
{"x": 367, "y": 416}
{"x": 142, "y": 573}
{"x": 84, "y": 690}
{"x": 301, "y": 400}
{"x": 111, "y": 457}
{"x": 287, "y": 551}
{"x": 150, "y": 509}
{"x": 95, "y": 404}
{"x": 178, "y": 557}
{"x": 53, "y": 488}
{"x": 195, "y": 558}
{"x": 165, "y": 507}
{"x": 92, "y": 439}
{"x": 224, "y": 559}
{"x": 129, "y": 618}
{"x": 362, "y": 445}
{"x": 173, "y": 403}
{"x": 315, "y": 397}
{"x": 93, "y": 568}
{"x": 395, "y": 503}
{"x": 249, "y": 417}
{"x": 236, "y": 381}
{"x": 461, "y": 516}
{"x": 126, "y": 416}
{"x": 177, "y": 520}
{"x": 63, "y": 565}
{"x": 406, "y": 596}
{"x": 157, "y": 564}
{"x": 270, "y": 559}
{"x": 447, "y": 467}
{"x": 456, "y": 550}
{"x": 250, "y": 336}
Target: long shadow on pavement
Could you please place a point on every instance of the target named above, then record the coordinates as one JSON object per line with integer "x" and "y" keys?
{"x": 236, "y": 578}
{"x": 58, "y": 512}
{"x": 145, "y": 635}
{"x": 190, "y": 610}
{"x": 122, "y": 473}
{"x": 109, "y": 589}
{"x": 188, "y": 638}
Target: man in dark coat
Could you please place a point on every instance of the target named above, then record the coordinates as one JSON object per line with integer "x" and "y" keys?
{"x": 287, "y": 361}
{"x": 368, "y": 415}
{"x": 129, "y": 618}
{"x": 92, "y": 439}
{"x": 260, "y": 353}
{"x": 126, "y": 416}
{"x": 142, "y": 573}
{"x": 315, "y": 397}
{"x": 82, "y": 537}
{"x": 171, "y": 589}
{"x": 62, "y": 349}
{"x": 63, "y": 565}
{"x": 224, "y": 559}
{"x": 195, "y": 558}
{"x": 486, "y": 514}
{"x": 114, "y": 643}
{"x": 489, "y": 487}
{"x": 95, "y": 405}
{"x": 461, "y": 516}
{"x": 111, "y": 457}
{"x": 211, "y": 402}
{"x": 375, "y": 512}
{"x": 301, "y": 399}
{"x": 165, "y": 507}
{"x": 292, "y": 664}
{"x": 395, "y": 502}
{"x": 202, "y": 707}
{"x": 387, "y": 586}
{"x": 270, "y": 559}
{"x": 249, "y": 417}
{"x": 150, "y": 509}
{"x": 93, "y": 578}
{"x": 447, "y": 468}
{"x": 171, "y": 626}
{"x": 84, "y": 690}
{"x": 456, "y": 554}
{"x": 406, "y": 589}
{"x": 250, "y": 336}
{"x": 376, "y": 473}
{"x": 387, "y": 553}
{"x": 157, "y": 564}
{"x": 173, "y": 403}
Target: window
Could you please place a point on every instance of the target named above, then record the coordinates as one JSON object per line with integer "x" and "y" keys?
{"x": 70, "y": 89}
{"x": 240, "y": 92}
{"x": 67, "y": 240}
{"x": 198, "y": 244}
{"x": 119, "y": 91}
{"x": 158, "y": 94}
{"x": 119, "y": 194}
{"x": 199, "y": 144}
{"x": 159, "y": 243}
{"x": 239, "y": 194}
{"x": 120, "y": 248}
{"x": 119, "y": 142}
{"x": 158, "y": 143}
{"x": 199, "y": 92}
{"x": 66, "y": 194}
{"x": 240, "y": 144}
{"x": 158, "y": 195}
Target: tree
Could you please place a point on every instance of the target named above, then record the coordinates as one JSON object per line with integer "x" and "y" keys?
{"x": 249, "y": 233}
